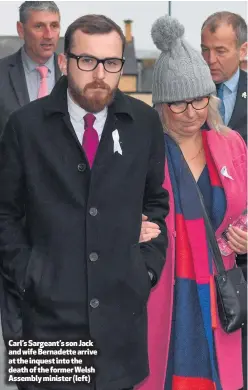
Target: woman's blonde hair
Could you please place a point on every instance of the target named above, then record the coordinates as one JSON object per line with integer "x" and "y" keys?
{"x": 214, "y": 119}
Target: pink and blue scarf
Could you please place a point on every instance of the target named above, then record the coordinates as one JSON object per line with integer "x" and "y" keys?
{"x": 192, "y": 363}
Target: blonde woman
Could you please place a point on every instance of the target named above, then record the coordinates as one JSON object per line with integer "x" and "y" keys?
{"x": 188, "y": 349}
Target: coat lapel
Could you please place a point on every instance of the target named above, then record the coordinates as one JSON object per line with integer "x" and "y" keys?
{"x": 240, "y": 107}
{"x": 120, "y": 117}
{"x": 228, "y": 173}
{"x": 105, "y": 150}
{"x": 18, "y": 79}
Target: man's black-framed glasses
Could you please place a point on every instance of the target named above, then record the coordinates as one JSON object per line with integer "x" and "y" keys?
{"x": 198, "y": 104}
{"x": 89, "y": 63}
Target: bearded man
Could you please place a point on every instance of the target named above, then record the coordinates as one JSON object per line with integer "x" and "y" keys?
{"x": 77, "y": 170}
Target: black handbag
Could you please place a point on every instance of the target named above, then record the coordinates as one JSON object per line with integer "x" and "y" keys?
{"x": 231, "y": 286}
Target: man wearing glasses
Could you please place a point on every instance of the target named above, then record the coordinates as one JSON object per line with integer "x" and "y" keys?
{"x": 82, "y": 165}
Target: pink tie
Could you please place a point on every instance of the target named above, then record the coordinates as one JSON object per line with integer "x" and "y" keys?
{"x": 90, "y": 138}
{"x": 43, "y": 90}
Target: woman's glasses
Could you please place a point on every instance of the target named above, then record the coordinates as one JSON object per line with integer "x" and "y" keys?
{"x": 198, "y": 104}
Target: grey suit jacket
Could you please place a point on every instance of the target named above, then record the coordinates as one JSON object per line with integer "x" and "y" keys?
{"x": 13, "y": 86}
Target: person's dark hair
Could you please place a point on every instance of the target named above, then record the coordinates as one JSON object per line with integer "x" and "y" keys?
{"x": 92, "y": 24}
{"x": 236, "y": 21}
{"x": 28, "y": 6}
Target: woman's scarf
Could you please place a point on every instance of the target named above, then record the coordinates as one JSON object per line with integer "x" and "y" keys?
{"x": 192, "y": 361}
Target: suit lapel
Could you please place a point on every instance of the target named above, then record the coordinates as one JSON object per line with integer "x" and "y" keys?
{"x": 240, "y": 106}
{"x": 18, "y": 80}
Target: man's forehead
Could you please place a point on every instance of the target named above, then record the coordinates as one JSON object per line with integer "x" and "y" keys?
{"x": 105, "y": 42}
{"x": 222, "y": 35}
{"x": 43, "y": 16}
{"x": 219, "y": 31}
{"x": 110, "y": 36}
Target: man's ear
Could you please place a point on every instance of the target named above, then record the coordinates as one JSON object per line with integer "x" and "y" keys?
{"x": 243, "y": 51}
{"x": 62, "y": 62}
{"x": 20, "y": 29}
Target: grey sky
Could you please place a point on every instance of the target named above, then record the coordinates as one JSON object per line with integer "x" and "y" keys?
{"x": 190, "y": 13}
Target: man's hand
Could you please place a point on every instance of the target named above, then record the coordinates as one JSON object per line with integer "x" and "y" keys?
{"x": 237, "y": 240}
{"x": 149, "y": 230}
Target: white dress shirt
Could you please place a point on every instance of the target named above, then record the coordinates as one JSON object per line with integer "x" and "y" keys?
{"x": 77, "y": 114}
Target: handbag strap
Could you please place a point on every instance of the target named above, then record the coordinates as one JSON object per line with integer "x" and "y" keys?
{"x": 211, "y": 236}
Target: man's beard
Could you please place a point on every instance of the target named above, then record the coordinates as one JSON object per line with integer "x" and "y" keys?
{"x": 97, "y": 101}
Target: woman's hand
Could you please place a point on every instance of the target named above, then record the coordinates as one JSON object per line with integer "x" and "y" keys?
{"x": 237, "y": 240}
{"x": 149, "y": 230}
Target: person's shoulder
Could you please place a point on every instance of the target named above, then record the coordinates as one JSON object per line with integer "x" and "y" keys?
{"x": 232, "y": 137}
{"x": 29, "y": 113}
{"x": 236, "y": 142}
{"x": 231, "y": 140}
{"x": 9, "y": 60}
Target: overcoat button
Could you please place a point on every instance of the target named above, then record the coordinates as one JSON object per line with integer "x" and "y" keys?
{"x": 93, "y": 211}
{"x": 81, "y": 167}
{"x": 94, "y": 303}
{"x": 93, "y": 256}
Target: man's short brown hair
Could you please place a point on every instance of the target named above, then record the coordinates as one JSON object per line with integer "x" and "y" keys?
{"x": 92, "y": 24}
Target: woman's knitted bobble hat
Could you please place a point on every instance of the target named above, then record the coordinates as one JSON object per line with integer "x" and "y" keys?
{"x": 180, "y": 72}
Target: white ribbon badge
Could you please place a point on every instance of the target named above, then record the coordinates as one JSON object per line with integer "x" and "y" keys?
{"x": 224, "y": 172}
{"x": 116, "y": 138}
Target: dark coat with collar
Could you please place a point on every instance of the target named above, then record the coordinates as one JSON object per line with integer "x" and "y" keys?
{"x": 13, "y": 86}
{"x": 238, "y": 119}
{"x": 76, "y": 268}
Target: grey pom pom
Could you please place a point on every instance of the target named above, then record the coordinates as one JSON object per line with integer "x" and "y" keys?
{"x": 165, "y": 32}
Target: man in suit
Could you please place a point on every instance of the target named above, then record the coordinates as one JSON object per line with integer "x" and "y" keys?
{"x": 224, "y": 45}
{"x": 81, "y": 165}
{"x": 21, "y": 73}
{"x": 32, "y": 71}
